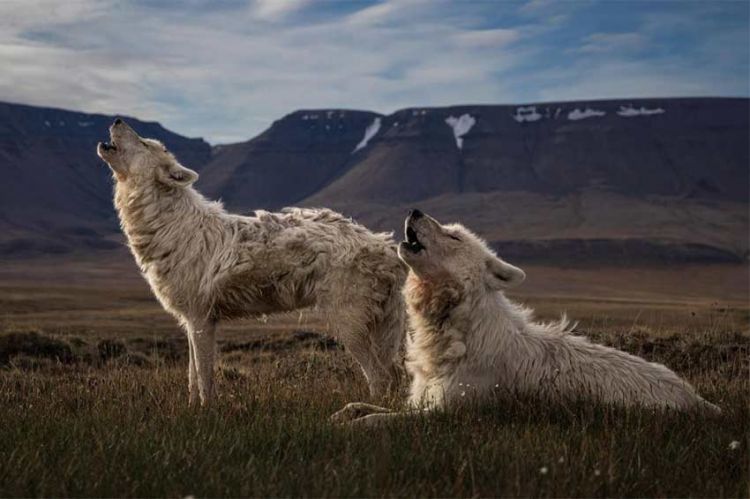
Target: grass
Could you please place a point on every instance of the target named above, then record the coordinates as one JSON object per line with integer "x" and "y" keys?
{"x": 93, "y": 407}
{"x": 92, "y": 426}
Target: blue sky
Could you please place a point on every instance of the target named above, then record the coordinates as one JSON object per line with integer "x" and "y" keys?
{"x": 226, "y": 69}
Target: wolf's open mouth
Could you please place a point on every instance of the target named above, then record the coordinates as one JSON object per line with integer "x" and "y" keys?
{"x": 106, "y": 146}
{"x": 412, "y": 242}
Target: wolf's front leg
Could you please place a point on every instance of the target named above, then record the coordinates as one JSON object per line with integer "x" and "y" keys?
{"x": 204, "y": 345}
{"x": 192, "y": 372}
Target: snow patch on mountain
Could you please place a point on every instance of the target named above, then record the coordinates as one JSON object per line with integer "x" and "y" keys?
{"x": 576, "y": 114}
{"x": 461, "y": 127}
{"x": 528, "y": 113}
{"x": 629, "y": 111}
{"x": 370, "y": 132}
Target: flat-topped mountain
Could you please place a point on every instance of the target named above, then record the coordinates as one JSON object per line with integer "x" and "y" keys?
{"x": 667, "y": 147}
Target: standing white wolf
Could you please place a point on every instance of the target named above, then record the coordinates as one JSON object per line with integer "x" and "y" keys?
{"x": 205, "y": 265}
{"x": 467, "y": 340}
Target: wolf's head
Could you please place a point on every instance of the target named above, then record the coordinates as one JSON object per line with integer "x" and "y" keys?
{"x": 436, "y": 252}
{"x": 138, "y": 161}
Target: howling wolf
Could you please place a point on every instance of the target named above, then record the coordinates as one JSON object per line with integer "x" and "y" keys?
{"x": 205, "y": 265}
{"x": 467, "y": 340}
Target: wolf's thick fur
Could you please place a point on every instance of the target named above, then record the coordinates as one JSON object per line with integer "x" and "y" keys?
{"x": 205, "y": 265}
{"x": 468, "y": 340}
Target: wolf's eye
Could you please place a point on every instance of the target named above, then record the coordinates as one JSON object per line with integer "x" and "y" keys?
{"x": 454, "y": 237}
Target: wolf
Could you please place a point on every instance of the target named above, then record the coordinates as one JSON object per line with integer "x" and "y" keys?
{"x": 467, "y": 340}
{"x": 206, "y": 265}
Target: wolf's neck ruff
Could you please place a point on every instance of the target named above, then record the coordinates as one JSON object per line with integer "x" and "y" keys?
{"x": 157, "y": 220}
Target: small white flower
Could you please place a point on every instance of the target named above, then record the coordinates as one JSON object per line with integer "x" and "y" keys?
{"x": 561, "y": 460}
{"x": 463, "y": 394}
{"x": 597, "y": 472}
{"x": 460, "y": 384}
{"x": 497, "y": 386}
{"x": 734, "y": 445}
{"x": 543, "y": 470}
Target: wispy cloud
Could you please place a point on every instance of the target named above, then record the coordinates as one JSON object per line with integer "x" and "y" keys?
{"x": 612, "y": 42}
{"x": 273, "y": 10}
{"x": 491, "y": 38}
{"x": 226, "y": 69}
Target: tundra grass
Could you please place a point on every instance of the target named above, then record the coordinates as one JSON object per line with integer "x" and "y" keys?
{"x": 88, "y": 421}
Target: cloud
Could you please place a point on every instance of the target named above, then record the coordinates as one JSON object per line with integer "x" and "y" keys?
{"x": 611, "y": 42}
{"x": 534, "y": 7}
{"x": 227, "y": 69}
{"x": 230, "y": 75}
{"x": 18, "y": 15}
{"x": 388, "y": 11}
{"x": 374, "y": 14}
{"x": 274, "y": 10}
{"x": 487, "y": 38}
{"x": 624, "y": 79}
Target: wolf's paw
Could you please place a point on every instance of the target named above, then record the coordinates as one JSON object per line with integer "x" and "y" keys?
{"x": 373, "y": 420}
{"x": 355, "y": 410}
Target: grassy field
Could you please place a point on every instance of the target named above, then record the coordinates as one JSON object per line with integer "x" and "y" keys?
{"x": 93, "y": 391}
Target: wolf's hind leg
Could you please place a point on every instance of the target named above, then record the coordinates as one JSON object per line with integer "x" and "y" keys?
{"x": 372, "y": 333}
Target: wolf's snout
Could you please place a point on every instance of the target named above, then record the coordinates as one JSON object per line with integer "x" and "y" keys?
{"x": 415, "y": 214}
{"x": 412, "y": 242}
{"x": 118, "y": 121}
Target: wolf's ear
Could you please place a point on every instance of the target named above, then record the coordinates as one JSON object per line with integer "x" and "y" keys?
{"x": 176, "y": 175}
{"x": 501, "y": 274}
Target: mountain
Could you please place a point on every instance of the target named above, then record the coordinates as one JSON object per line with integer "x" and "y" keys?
{"x": 601, "y": 181}
{"x": 695, "y": 148}
{"x": 57, "y": 194}
{"x": 639, "y": 179}
{"x": 290, "y": 161}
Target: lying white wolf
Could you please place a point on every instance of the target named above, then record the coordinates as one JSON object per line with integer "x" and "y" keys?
{"x": 468, "y": 340}
{"x": 205, "y": 265}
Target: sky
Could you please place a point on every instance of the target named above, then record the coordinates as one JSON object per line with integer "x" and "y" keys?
{"x": 226, "y": 69}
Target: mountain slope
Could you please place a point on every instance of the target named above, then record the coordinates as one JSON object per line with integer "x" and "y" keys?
{"x": 291, "y": 160}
